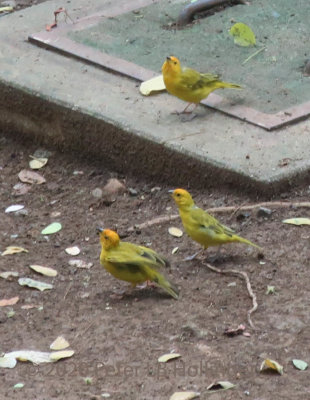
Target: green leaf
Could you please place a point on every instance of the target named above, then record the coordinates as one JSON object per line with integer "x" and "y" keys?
{"x": 243, "y": 35}
{"x": 52, "y": 228}
{"x": 297, "y": 221}
{"x": 34, "y": 284}
{"x": 300, "y": 364}
{"x": 18, "y": 386}
{"x": 270, "y": 290}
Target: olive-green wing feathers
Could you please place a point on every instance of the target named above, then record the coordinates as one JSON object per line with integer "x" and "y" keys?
{"x": 136, "y": 257}
{"x": 209, "y": 224}
{"x": 194, "y": 80}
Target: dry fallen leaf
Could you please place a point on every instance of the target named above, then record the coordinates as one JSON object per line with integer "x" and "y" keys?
{"x": 234, "y": 331}
{"x": 21, "y": 188}
{"x": 156, "y": 84}
{"x": 184, "y": 396}
{"x": 167, "y": 357}
{"x": 29, "y": 306}
{"x": 9, "y": 302}
{"x": 297, "y": 221}
{"x": 73, "y": 251}
{"x": 7, "y": 362}
{"x": 37, "y": 163}
{"x": 80, "y": 264}
{"x": 34, "y": 284}
{"x": 8, "y": 274}
{"x": 176, "y": 232}
{"x": 13, "y": 250}
{"x": 271, "y": 365}
{"x": 220, "y": 385}
{"x": 6, "y": 9}
{"x": 32, "y": 177}
{"x": 14, "y": 208}
{"x": 59, "y": 343}
{"x": 44, "y": 270}
{"x": 38, "y": 357}
{"x": 58, "y": 355}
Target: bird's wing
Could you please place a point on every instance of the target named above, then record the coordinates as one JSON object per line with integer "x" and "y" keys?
{"x": 210, "y": 224}
{"x": 135, "y": 257}
{"x": 194, "y": 80}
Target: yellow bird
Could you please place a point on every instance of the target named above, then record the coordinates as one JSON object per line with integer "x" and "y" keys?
{"x": 201, "y": 226}
{"x": 135, "y": 264}
{"x": 190, "y": 85}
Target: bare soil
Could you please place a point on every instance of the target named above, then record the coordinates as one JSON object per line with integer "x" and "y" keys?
{"x": 117, "y": 341}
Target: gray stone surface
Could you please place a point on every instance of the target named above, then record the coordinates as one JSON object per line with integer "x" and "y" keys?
{"x": 73, "y": 105}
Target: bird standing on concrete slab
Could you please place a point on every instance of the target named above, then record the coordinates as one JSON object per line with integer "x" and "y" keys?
{"x": 190, "y": 85}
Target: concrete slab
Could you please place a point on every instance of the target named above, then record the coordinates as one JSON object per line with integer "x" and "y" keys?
{"x": 76, "y": 106}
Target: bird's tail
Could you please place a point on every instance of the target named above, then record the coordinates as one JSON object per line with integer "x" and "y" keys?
{"x": 246, "y": 241}
{"x": 229, "y": 85}
{"x": 167, "y": 286}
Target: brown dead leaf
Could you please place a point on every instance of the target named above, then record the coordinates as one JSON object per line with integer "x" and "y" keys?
{"x": 112, "y": 189}
{"x": 234, "y": 331}
{"x": 32, "y": 177}
{"x": 20, "y": 189}
{"x": 29, "y": 306}
{"x": 9, "y": 302}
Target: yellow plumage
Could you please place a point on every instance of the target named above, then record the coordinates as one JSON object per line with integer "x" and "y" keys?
{"x": 132, "y": 263}
{"x": 190, "y": 85}
{"x": 201, "y": 226}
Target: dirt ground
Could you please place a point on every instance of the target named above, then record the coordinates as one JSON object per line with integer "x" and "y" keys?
{"x": 117, "y": 342}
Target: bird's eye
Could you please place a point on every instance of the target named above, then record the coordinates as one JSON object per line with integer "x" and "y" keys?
{"x": 178, "y": 194}
{"x": 106, "y": 237}
{"x": 175, "y": 63}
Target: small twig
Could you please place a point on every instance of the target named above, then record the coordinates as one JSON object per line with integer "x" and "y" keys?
{"x": 167, "y": 218}
{"x": 85, "y": 330}
{"x": 253, "y": 55}
{"x": 244, "y": 275}
{"x": 67, "y": 291}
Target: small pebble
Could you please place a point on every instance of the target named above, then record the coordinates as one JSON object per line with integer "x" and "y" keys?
{"x": 97, "y": 193}
{"x": 264, "y": 212}
{"x": 132, "y": 192}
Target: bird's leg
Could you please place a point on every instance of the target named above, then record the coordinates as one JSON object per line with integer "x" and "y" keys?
{"x": 121, "y": 293}
{"x": 185, "y": 110}
{"x": 216, "y": 256}
{"x": 193, "y": 256}
{"x": 188, "y": 112}
{"x": 147, "y": 284}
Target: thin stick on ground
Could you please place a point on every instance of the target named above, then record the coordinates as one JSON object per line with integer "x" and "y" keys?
{"x": 244, "y": 275}
{"x": 272, "y": 204}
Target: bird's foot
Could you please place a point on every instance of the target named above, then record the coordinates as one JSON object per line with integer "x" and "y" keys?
{"x": 187, "y": 116}
{"x": 119, "y": 295}
{"x": 146, "y": 284}
{"x": 193, "y": 256}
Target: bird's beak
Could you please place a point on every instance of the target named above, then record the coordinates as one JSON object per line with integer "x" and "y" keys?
{"x": 170, "y": 191}
{"x": 168, "y": 58}
{"x": 99, "y": 230}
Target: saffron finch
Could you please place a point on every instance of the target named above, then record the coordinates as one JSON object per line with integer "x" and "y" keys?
{"x": 135, "y": 264}
{"x": 190, "y": 85}
{"x": 201, "y": 226}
